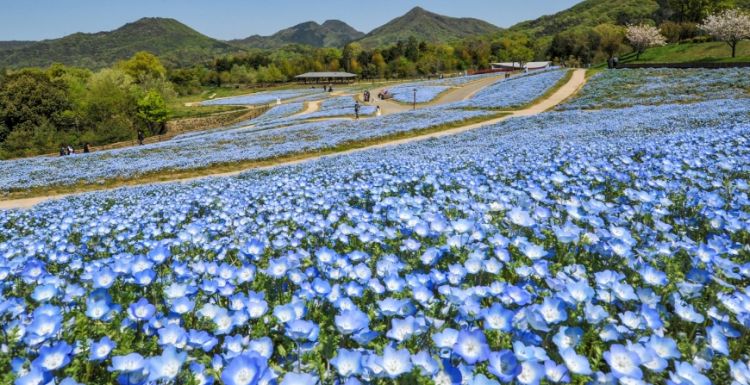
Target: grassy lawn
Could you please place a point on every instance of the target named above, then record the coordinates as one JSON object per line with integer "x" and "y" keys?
{"x": 712, "y": 52}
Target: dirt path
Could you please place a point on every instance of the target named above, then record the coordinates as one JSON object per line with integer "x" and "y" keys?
{"x": 566, "y": 91}
{"x": 452, "y": 95}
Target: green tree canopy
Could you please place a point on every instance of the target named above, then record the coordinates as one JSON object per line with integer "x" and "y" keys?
{"x": 152, "y": 110}
{"x": 142, "y": 66}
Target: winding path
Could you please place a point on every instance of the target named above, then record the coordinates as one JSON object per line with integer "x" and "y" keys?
{"x": 577, "y": 81}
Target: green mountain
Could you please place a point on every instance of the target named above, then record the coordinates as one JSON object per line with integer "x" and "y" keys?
{"x": 427, "y": 26}
{"x": 590, "y": 13}
{"x": 169, "y": 39}
{"x": 14, "y": 44}
{"x": 332, "y": 33}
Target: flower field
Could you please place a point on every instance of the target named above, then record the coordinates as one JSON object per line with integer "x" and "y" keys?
{"x": 623, "y": 88}
{"x": 516, "y": 91}
{"x": 284, "y": 136}
{"x": 264, "y": 97}
{"x": 607, "y": 246}
{"x": 338, "y": 106}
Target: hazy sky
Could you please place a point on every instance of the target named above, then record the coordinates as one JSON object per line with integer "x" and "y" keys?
{"x": 230, "y": 19}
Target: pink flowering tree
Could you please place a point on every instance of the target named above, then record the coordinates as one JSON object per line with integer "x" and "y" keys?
{"x": 730, "y": 26}
{"x": 642, "y": 37}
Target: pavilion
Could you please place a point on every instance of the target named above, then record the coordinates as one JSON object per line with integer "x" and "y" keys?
{"x": 326, "y": 77}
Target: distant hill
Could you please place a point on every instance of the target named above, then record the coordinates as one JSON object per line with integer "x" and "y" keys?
{"x": 169, "y": 39}
{"x": 14, "y": 44}
{"x": 332, "y": 33}
{"x": 590, "y": 13}
{"x": 426, "y": 26}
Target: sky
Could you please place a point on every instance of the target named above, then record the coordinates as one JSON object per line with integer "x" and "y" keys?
{"x": 233, "y": 19}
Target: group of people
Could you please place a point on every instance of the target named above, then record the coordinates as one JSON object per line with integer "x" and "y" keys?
{"x": 367, "y": 98}
{"x": 69, "y": 150}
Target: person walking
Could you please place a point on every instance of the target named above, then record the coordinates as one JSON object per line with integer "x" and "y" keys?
{"x": 71, "y": 150}
{"x": 356, "y": 110}
{"x": 62, "y": 150}
{"x": 86, "y": 148}
{"x": 377, "y": 111}
{"x": 141, "y": 137}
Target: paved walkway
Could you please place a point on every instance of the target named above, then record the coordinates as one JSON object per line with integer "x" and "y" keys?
{"x": 569, "y": 89}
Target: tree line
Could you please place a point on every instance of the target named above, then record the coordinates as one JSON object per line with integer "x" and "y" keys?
{"x": 43, "y": 109}
{"x": 675, "y": 21}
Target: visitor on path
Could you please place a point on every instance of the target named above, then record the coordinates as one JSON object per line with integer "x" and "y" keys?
{"x": 615, "y": 62}
{"x": 86, "y": 148}
{"x": 71, "y": 150}
{"x": 141, "y": 136}
{"x": 356, "y": 110}
{"x": 330, "y": 88}
{"x": 377, "y": 111}
{"x": 62, "y": 150}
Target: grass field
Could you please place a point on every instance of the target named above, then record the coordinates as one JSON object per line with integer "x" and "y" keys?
{"x": 711, "y": 52}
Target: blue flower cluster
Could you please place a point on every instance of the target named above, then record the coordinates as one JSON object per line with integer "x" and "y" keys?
{"x": 278, "y": 137}
{"x": 429, "y": 90}
{"x": 623, "y": 88}
{"x": 516, "y": 91}
{"x": 263, "y": 97}
{"x": 424, "y": 94}
{"x": 338, "y": 106}
{"x": 602, "y": 247}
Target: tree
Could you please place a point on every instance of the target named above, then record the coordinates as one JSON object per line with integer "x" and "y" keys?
{"x": 31, "y": 97}
{"x": 643, "y": 36}
{"x": 730, "y": 26}
{"x": 143, "y": 65}
{"x": 153, "y": 112}
{"x": 610, "y": 38}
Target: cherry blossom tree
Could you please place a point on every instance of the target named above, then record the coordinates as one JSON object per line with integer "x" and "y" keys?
{"x": 643, "y": 36}
{"x": 730, "y": 26}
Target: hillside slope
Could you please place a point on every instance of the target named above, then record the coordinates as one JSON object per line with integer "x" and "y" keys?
{"x": 427, "y": 26}
{"x": 332, "y": 33}
{"x": 171, "y": 40}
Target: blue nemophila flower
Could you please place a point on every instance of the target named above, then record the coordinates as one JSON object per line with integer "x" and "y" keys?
{"x": 141, "y": 310}
{"x": 427, "y": 365}
{"x": 531, "y": 373}
{"x": 402, "y": 329}
{"x": 576, "y": 363}
{"x": 496, "y": 317}
{"x": 129, "y": 363}
{"x": 623, "y": 362}
{"x": 471, "y": 346}
{"x": 396, "y": 362}
{"x": 481, "y": 379}
{"x": 35, "y": 376}
{"x": 504, "y": 365}
{"x": 352, "y": 321}
{"x": 685, "y": 373}
{"x": 173, "y": 335}
{"x": 247, "y": 369}
{"x": 567, "y": 337}
{"x": 299, "y": 379}
{"x": 301, "y": 330}
{"x": 167, "y": 366}
{"x": 347, "y": 362}
{"x": 553, "y": 310}
{"x": 101, "y": 349}
{"x": 556, "y": 373}
{"x": 53, "y": 357}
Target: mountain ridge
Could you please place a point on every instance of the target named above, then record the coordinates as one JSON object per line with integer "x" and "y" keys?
{"x": 331, "y": 33}
{"x": 173, "y": 41}
{"x": 426, "y": 26}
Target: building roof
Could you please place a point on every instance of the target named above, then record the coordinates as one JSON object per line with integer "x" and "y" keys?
{"x": 316, "y": 75}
